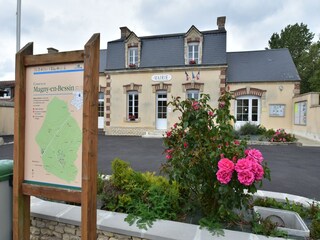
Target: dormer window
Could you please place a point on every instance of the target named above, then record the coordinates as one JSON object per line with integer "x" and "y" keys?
{"x": 193, "y": 43}
{"x": 132, "y": 50}
{"x": 193, "y": 53}
{"x": 132, "y": 56}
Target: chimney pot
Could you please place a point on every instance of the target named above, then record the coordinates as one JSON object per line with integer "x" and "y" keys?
{"x": 125, "y": 32}
{"x": 221, "y": 22}
{"x": 52, "y": 50}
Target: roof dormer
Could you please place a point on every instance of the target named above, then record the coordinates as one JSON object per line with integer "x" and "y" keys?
{"x": 193, "y": 42}
{"x": 132, "y": 50}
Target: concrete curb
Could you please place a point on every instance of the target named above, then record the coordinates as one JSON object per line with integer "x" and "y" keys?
{"x": 161, "y": 229}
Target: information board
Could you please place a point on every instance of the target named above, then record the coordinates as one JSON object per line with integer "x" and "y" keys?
{"x": 276, "y": 110}
{"x": 54, "y": 108}
{"x": 300, "y": 113}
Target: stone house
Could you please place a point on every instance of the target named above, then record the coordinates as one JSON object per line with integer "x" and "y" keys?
{"x": 144, "y": 73}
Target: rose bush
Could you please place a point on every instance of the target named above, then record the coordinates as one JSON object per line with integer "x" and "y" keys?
{"x": 281, "y": 136}
{"x": 216, "y": 173}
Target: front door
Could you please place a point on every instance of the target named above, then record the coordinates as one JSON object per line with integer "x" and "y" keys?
{"x": 247, "y": 109}
{"x": 161, "y": 110}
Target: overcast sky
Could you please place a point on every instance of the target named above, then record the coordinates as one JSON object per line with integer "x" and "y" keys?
{"x": 68, "y": 24}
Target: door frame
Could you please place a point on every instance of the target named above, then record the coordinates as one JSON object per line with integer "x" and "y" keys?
{"x": 239, "y": 123}
{"x": 161, "y": 123}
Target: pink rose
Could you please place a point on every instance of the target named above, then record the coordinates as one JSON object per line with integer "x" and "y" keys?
{"x": 168, "y": 156}
{"x": 169, "y": 134}
{"x": 258, "y": 171}
{"x": 195, "y": 105}
{"x": 226, "y": 164}
{"x": 222, "y": 104}
{"x": 243, "y": 164}
{"x": 210, "y": 113}
{"x": 169, "y": 150}
{"x": 254, "y": 154}
{"x": 185, "y": 144}
{"x": 234, "y": 158}
{"x": 236, "y": 142}
{"x": 246, "y": 177}
{"x": 224, "y": 176}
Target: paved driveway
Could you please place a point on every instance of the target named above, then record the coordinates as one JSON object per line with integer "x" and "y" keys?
{"x": 294, "y": 170}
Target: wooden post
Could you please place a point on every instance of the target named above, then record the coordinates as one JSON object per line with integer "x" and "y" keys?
{"x": 21, "y": 203}
{"x": 90, "y": 139}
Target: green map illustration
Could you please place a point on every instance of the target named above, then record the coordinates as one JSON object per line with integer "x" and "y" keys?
{"x": 59, "y": 139}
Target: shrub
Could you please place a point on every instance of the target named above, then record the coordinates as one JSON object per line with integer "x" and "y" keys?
{"x": 249, "y": 129}
{"x": 281, "y": 136}
{"x": 212, "y": 168}
{"x": 100, "y": 184}
{"x": 144, "y": 196}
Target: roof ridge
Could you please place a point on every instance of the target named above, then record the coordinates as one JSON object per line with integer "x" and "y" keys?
{"x": 261, "y": 50}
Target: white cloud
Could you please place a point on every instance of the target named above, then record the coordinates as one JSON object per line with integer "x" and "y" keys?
{"x": 68, "y": 24}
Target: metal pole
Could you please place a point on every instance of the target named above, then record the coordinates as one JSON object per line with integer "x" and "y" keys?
{"x": 18, "y": 24}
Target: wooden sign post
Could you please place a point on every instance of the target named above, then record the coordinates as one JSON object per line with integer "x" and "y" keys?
{"x": 56, "y": 132}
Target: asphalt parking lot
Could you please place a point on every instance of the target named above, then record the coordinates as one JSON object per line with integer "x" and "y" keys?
{"x": 294, "y": 169}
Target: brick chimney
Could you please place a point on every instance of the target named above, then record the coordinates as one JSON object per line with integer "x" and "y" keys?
{"x": 52, "y": 50}
{"x": 221, "y": 22}
{"x": 124, "y": 32}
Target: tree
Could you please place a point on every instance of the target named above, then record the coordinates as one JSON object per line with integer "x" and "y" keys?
{"x": 314, "y": 67}
{"x": 298, "y": 39}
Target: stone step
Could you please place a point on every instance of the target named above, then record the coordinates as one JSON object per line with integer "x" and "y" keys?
{"x": 155, "y": 134}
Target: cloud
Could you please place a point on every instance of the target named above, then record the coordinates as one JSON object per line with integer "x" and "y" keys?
{"x": 68, "y": 24}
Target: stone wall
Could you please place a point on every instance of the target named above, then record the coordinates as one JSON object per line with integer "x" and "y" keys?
{"x": 42, "y": 229}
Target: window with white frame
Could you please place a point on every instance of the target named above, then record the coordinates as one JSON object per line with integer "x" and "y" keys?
{"x": 247, "y": 109}
{"x": 193, "y": 53}
{"x": 193, "y": 94}
{"x": 101, "y": 104}
{"x": 133, "y": 105}
{"x": 132, "y": 56}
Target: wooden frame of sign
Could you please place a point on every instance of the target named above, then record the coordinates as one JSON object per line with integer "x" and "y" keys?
{"x": 22, "y": 189}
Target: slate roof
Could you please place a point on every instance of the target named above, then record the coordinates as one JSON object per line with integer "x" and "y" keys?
{"x": 261, "y": 66}
{"x": 5, "y": 84}
{"x": 168, "y": 51}
{"x": 103, "y": 60}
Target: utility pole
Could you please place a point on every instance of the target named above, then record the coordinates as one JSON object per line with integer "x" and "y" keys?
{"x": 18, "y": 25}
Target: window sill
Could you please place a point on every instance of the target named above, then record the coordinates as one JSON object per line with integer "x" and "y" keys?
{"x": 132, "y": 121}
{"x": 133, "y": 66}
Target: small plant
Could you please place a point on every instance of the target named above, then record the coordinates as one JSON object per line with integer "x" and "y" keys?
{"x": 249, "y": 129}
{"x": 266, "y": 227}
{"x": 100, "y": 184}
{"x": 281, "y": 136}
{"x": 143, "y": 196}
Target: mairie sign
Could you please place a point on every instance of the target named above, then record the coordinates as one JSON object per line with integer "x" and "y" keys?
{"x": 161, "y": 77}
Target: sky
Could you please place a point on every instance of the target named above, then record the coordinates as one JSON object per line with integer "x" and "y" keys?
{"x": 68, "y": 24}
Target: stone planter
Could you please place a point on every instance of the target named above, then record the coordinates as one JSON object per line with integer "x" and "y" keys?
{"x": 288, "y": 221}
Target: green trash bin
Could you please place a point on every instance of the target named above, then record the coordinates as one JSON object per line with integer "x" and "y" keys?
{"x": 6, "y": 173}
